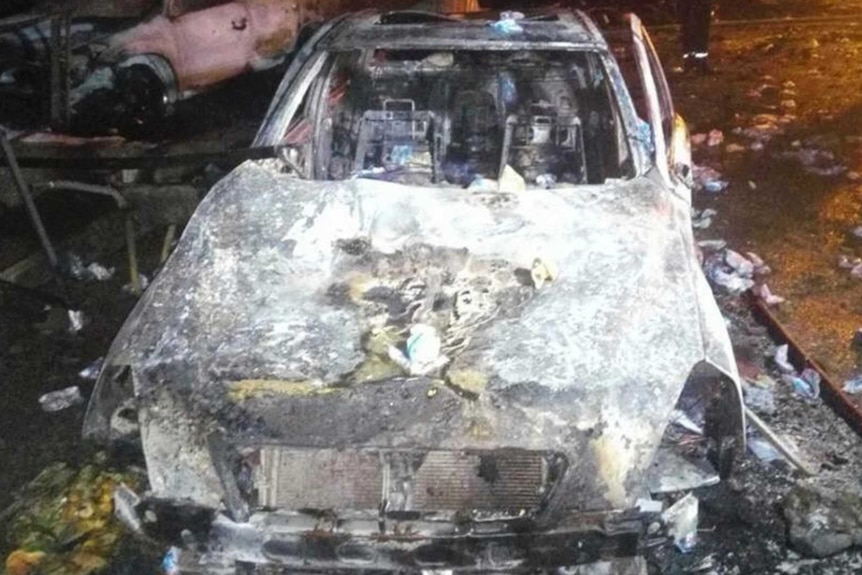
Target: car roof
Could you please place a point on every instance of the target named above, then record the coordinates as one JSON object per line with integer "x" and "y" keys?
{"x": 555, "y": 29}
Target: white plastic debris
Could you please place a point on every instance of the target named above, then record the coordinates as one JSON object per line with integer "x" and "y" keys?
{"x": 125, "y": 501}
{"x": 99, "y": 272}
{"x": 681, "y": 520}
{"x": 91, "y": 372}
{"x": 782, "y": 361}
{"x": 145, "y": 282}
{"x": 853, "y": 386}
{"x": 712, "y": 245}
{"x": 714, "y": 138}
{"x": 708, "y": 179}
{"x": 61, "y": 399}
{"x": 76, "y": 321}
{"x": 769, "y": 298}
{"x": 546, "y": 181}
{"x": 739, "y": 264}
{"x": 701, "y": 220}
{"x": 645, "y": 505}
{"x": 845, "y": 262}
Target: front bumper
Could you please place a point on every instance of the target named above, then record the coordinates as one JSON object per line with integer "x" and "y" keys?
{"x": 292, "y": 541}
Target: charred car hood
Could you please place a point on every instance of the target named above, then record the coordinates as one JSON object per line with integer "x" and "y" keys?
{"x": 270, "y": 316}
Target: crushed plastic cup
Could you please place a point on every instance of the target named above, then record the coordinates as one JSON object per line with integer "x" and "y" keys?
{"x": 61, "y": 399}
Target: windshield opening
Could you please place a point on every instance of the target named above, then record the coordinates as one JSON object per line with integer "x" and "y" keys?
{"x": 457, "y": 117}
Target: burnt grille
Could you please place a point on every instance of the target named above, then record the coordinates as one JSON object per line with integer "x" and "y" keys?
{"x": 366, "y": 479}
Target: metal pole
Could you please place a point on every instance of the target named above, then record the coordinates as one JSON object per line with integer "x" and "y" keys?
{"x": 131, "y": 246}
{"x": 56, "y": 79}
{"x": 24, "y": 192}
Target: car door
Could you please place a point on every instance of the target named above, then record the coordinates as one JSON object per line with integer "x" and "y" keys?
{"x": 642, "y": 71}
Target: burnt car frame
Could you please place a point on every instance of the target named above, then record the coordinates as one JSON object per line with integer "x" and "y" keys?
{"x": 484, "y": 184}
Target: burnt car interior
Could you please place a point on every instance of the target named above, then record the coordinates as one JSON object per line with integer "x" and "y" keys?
{"x": 425, "y": 117}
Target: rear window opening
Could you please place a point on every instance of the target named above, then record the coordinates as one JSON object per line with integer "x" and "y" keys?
{"x": 425, "y": 117}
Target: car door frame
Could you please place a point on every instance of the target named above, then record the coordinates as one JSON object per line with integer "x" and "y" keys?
{"x": 672, "y": 153}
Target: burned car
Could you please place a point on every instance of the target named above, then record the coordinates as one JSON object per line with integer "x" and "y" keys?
{"x": 447, "y": 328}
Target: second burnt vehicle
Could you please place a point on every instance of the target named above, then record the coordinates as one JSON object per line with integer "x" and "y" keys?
{"x": 447, "y": 328}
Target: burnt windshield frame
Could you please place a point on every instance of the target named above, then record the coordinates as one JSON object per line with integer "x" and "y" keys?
{"x": 594, "y": 63}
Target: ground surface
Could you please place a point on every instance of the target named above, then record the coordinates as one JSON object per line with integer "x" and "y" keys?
{"x": 799, "y": 222}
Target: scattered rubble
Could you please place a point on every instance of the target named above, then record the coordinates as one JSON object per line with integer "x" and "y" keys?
{"x": 63, "y": 521}
{"x": 820, "y": 524}
{"x": 681, "y": 518}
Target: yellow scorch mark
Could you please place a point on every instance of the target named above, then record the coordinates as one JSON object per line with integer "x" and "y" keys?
{"x": 612, "y": 463}
{"x": 248, "y": 388}
{"x": 469, "y": 380}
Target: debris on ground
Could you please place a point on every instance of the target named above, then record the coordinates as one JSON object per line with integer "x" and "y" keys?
{"x": 77, "y": 320}
{"x": 759, "y": 399}
{"x": 702, "y": 219}
{"x": 853, "y": 386}
{"x": 814, "y": 160}
{"x": 821, "y": 524}
{"x": 91, "y": 372}
{"x": 781, "y": 359}
{"x": 144, "y": 281}
{"x": 763, "y": 292}
{"x": 806, "y": 384}
{"x": 93, "y": 271}
{"x": 730, "y": 271}
{"x": 708, "y": 180}
{"x": 763, "y": 449}
{"x": 63, "y": 521}
{"x": 681, "y": 519}
{"x": 422, "y": 355}
{"x": 61, "y": 399}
